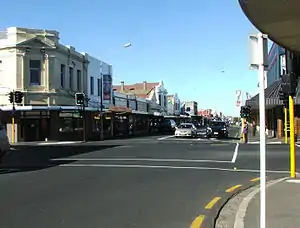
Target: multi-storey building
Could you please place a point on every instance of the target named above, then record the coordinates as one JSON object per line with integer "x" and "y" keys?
{"x": 277, "y": 64}
{"x": 99, "y": 83}
{"x": 48, "y": 73}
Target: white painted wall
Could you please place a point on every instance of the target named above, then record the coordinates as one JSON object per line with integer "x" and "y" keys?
{"x": 96, "y": 69}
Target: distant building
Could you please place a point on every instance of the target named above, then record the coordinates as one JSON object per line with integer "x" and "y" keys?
{"x": 191, "y": 108}
{"x": 173, "y": 105}
{"x": 155, "y": 92}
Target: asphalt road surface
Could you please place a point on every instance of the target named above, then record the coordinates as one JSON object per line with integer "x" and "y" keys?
{"x": 144, "y": 183}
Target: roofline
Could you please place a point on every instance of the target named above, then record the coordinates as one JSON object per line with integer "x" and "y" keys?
{"x": 246, "y": 12}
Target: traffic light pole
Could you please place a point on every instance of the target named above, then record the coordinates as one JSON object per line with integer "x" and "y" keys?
{"x": 285, "y": 125}
{"x": 83, "y": 123}
{"x": 292, "y": 139}
{"x": 13, "y": 120}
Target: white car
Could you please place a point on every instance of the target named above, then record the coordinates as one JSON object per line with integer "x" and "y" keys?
{"x": 186, "y": 130}
{"x": 4, "y": 143}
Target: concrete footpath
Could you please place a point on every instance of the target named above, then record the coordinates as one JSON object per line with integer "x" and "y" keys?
{"x": 282, "y": 206}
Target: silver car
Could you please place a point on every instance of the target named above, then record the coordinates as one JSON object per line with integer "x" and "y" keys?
{"x": 186, "y": 130}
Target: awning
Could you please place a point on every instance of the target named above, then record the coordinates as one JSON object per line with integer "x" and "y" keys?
{"x": 271, "y": 96}
{"x": 280, "y": 20}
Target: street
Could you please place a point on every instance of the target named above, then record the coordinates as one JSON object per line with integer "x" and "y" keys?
{"x": 143, "y": 182}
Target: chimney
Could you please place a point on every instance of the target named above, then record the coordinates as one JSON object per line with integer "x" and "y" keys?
{"x": 145, "y": 85}
{"x": 122, "y": 85}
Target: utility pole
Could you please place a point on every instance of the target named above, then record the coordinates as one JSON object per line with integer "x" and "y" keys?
{"x": 259, "y": 62}
{"x": 101, "y": 108}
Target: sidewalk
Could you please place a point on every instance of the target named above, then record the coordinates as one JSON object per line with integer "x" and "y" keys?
{"x": 282, "y": 206}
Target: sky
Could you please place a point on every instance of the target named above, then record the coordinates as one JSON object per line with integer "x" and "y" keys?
{"x": 198, "y": 48}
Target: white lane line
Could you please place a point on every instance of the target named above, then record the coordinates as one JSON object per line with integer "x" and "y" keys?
{"x": 170, "y": 167}
{"x": 242, "y": 209}
{"x": 166, "y": 137}
{"x": 293, "y": 181}
{"x": 235, "y": 153}
{"x": 59, "y": 143}
{"x": 141, "y": 159}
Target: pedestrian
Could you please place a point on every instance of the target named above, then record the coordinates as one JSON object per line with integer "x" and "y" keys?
{"x": 245, "y": 132}
{"x": 253, "y": 128}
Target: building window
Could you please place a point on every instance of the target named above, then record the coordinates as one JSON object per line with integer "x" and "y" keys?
{"x": 71, "y": 74}
{"x": 79, "y": 85}
{"x": 62, "y": 75}
{"x": 99, "y": 86}
{"x": 92, "y": 85}
{"x": 159, "y": 99}
{"x": 35, "y": 72}
{"x": 165, "y": 101}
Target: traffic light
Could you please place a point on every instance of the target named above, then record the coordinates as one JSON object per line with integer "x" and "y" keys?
{"x": 11, "y": 97}
{"x": 245, "y": 112}
{"x": 79, "y": 98}
{"x": 19, "y": 97}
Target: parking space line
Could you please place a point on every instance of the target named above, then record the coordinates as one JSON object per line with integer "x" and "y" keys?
{"x": 235, "y": 153}
{"x": 212, "y": 203}
{"x": 255, "y": 179}
{"x": 231, "y": 189}
{"x": 198, "y": 221}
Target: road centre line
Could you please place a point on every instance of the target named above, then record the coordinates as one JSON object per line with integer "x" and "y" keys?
{"x": 170, "y": 167}
{"x": 141, "y": 159}
{"x": 166, "y": 137}
{"x": 235, "y": 153}
{"x": 231, "y": 189}
{"x": 211, "y": 204}
{"x": 198, "y": 221}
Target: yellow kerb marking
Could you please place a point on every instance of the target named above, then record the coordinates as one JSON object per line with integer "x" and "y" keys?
{"x": 197, "y": 221}
{"x": 212, "y": 203}
{"x": 231, "y": 189}
{"x": 255, "y": 179}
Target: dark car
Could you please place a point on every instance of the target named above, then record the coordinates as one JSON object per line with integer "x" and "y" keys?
{"x": 203, "y": 131}
{"x": 218, "y": 129}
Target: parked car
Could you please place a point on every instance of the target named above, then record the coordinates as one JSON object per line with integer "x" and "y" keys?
{"x": 4, "y": 142}
{"x": 186, "y": 130}
{"x": 168, "y": 126}
{"x": 219, "y": 129}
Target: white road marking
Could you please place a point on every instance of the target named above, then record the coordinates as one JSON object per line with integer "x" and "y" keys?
{"x": 170, "y": 167}
{"x": 141, "y": 159}
{"x": 293, "y": 181}
{"x": 60, "y": 143}
{"x": 166, "y": 137}
{"x": 240, "y": 215}
{"x": 235, "y": 153}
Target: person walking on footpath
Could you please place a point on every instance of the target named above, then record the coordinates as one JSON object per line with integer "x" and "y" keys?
{"x": 253, "y": 128}
{"x": 245, "y": 132}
